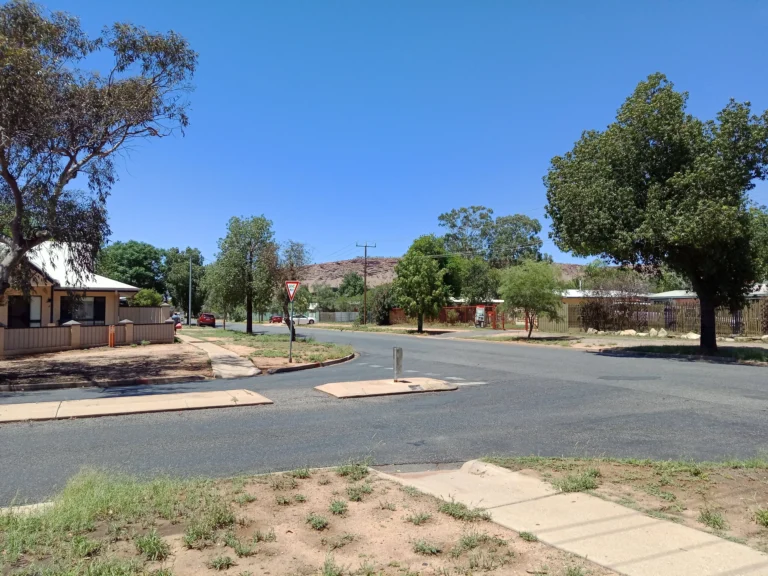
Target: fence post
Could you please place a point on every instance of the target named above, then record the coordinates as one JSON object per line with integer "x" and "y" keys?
{"x": 128, "y": 330}
{"x": 2, "y": 341}
{"x": 74, "y": 333}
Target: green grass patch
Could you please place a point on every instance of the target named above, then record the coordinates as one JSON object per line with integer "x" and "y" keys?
{"x": 152, "y": 547}
{"x": 268, "y": 536}
{"x": 761, "y": 517}
{"x": 462, "y": 512}
{"x": 411, "y": 490}
{"x": 426, "y": 548}
{"x": 221, "y": 563}
{"x": 713, "y": 519}
{"x": 356, "y": 492}
{"x": 338, "y": 507}
{"x": 317, "y": 522}
{"x": 529, "y": 536}
{"x": 580, "y": 482}
{"x": 353, "y": 470}
{"x": 419, "y": 518}
{"x": 301, "y": 473}
{"x": 664, "y": 468}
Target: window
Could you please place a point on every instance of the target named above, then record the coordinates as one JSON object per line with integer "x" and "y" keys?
{"x": 25, "y": 313}
{"x": 89, "y": 310}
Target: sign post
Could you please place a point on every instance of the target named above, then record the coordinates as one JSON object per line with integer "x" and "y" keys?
{"x": 292, "y": 286}
{"x": 397, "y": 357}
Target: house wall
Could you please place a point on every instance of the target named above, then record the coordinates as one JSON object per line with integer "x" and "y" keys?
{"x": 43, "y": 291}
{"x": 110, "y": 313}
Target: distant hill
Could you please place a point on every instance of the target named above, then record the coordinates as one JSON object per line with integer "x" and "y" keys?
{"x": 382, "y": 271}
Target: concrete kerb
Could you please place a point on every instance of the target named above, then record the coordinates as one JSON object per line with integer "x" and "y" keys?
{"x": 684, "y": 357}
{"x": 284, "y": 369}
{"x": 99, "y": 383}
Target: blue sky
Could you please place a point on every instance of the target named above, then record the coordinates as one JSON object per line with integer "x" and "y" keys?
{"x": 346, "y": 121}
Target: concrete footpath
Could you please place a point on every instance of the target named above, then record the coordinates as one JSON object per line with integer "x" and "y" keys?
{"x": 224, "y": 363}
{"x": 129, "y": 405}
{"x": 386, "y": 387}
{"x": 606, "y": 533}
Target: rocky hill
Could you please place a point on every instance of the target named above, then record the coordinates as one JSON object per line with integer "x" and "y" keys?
{"x": 381, "y": 271}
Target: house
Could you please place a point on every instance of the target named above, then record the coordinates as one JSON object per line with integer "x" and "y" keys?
{"x": 683, "y": 297}
{"x": 51, "y": 303}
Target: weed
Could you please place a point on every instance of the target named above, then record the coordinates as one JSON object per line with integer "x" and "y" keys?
{"x": 418, "y": 519}
{"x": 411, "y": 490}
{"x": 367, "y": 569}
{"x": 246, "y": 573}
{"x": 152, "y": 547}
{"x": 240, "y": 549}
{"x": 282, "y": 500}
{"x": 529, "y": 536}
{"x": 472, "y": 540}
{"x": 355, "y": 493}
{"x": 163, "y": 572}
{"x": 299, "y": 498}
{"x": 713, "y": 519}
{"x": 656, "y": 491}
{"x": 83, "y": 547}
{"x": 145, "y": 342}
{"x": 330, "y": 568}
{"x": 575, "y": 571}
{"x": 317, "y": 522}
{"x": 324, "y": 481}
{"x": 587, "y": 480}
{"x": 391, "y": 506}
{"x": 426, "y": 548}
{"x": 761, "y": 517}
{"x": 282, "y": 482}
{"x": 221, "y": 563}
{"x": 245, "y": 498}
{"x": 353, "y": 471}
{"x": 485, "y": 561}
{"x": 338, "y": 507}
{"x": 339, "y": 541}
{"x": 301, "y": 473}
{"x": 197, "y": 535}
{"x": 462, "y": 512}
{"x": 269, "y": 536}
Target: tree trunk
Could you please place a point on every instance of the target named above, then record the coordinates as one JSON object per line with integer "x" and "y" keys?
{"x": 249, "y": 300}
{"x": 708, "y": 342}
{"x": 420, "y": 321}
{"x": 289, "y": 322}
{"x": 530, "y": 318}
{"x": 225, "y": 320}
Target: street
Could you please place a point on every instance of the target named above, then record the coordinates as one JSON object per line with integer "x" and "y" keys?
{"x": 512, "y": 399}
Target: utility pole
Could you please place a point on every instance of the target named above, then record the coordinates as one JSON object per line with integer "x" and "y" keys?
{"x": 189, "y": 312}
{"x": 365, "y": 279}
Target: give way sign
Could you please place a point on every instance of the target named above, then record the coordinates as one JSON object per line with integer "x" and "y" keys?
{"x": 292, "y": 286}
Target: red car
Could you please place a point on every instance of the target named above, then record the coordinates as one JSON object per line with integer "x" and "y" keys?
{"x": 206, "y": 319}
{"x": 276, "y": 319}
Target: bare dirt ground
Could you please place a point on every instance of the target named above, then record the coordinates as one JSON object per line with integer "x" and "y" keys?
{"x": 729, "y": 500}
{"x": 306, "y": 523}
{"x": 99, "y": 364}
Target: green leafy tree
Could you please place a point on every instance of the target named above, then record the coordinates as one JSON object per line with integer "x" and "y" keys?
{"x": 177, "y": 278}
{"x": 62, "y": 118}
{"x": 289, "y": 264}
{"x": 221, "y": 294}
{"x": 325, "y": 297}
{"x": 245, "y": 257}
{"x": 534, "y": 287}
{"x": 469, "y": 230}
{"x": 146, "y": 297}
{"x": 660, "y": 186}
{"x": 136, "y": 263}
{"x": 514, "y": 239}
{"x": 351, "y": 284}
{"x": 454, "y": 266}
{"x": 481, "y": 282}
{"x": 419, "y": 286}
{"x": 382, "y": 302}
{"x": 760, "y": 241}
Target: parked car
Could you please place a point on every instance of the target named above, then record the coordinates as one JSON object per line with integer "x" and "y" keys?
{"x": 275, "y": 319}
{"x": 302, "y": 319}
{"x": 206, "y": 319}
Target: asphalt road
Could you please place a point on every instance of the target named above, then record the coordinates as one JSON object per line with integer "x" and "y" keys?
{"x": 512, "y": 399}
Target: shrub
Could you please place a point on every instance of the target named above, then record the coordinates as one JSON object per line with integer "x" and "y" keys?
{"x": 317, "y": 522}
{"x": 146, "y": 297}
{"x": 152, "y": 547}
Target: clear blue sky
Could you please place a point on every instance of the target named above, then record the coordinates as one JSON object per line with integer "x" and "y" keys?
{"x": 345, "y": 121}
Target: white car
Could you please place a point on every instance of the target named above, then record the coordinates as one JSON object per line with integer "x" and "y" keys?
{"x": 301, "y": 319}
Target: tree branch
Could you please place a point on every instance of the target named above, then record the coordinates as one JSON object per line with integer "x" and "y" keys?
{"x": 16, "y": 231}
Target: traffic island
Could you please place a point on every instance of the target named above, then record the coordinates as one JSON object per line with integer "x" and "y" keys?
{"x": 387, "y": 387}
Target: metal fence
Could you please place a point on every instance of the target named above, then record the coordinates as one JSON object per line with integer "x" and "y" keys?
{"x": 154, "y": 333}
{"x": 752, "y": 320}
{"x": 145, "y": 314}
{"x": 93, "y": 336}
{"x": 338, "y": 316}
{"x": 19, "y": 340}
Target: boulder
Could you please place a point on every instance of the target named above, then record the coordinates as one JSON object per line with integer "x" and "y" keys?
{"x": 764, "y": 338}
{"x": 730, "y": 339}
{"x": 642, "y": 334}
{"x": 691, "y": 336}
{"x": 662, "y": 333}
{"x": 599, "y": 332}
{"x": 653, "y": 333}
{"x": 627, "y": 332}
{"x": 591, "y": 331}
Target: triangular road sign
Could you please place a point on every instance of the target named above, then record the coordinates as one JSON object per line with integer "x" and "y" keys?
{"x": 292, "y": 286}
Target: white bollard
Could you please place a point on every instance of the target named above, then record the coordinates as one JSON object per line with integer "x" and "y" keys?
{"x": 397, "y": 358}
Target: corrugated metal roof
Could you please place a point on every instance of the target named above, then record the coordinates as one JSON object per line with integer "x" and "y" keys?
{"x": 52, "y": 261}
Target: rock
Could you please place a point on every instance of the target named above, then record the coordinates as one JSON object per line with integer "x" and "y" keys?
{"x": 653, "y": 333}
{"x": 627, "y": 332}
{"x": 599, "y": 332}
{"x": 591, "y": 331}
{"x": 691, "y": 336}
{"x": 764, "y": 338}
{"x": 730, "y": 339}
{"x": 642, "y": 334}
{"x": 662, "y": 333}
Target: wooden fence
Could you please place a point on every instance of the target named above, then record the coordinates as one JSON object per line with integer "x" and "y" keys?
{"x": 145, "y": 314}
{"x": 16, "y": 341}
{"x": 752, "y": 320}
